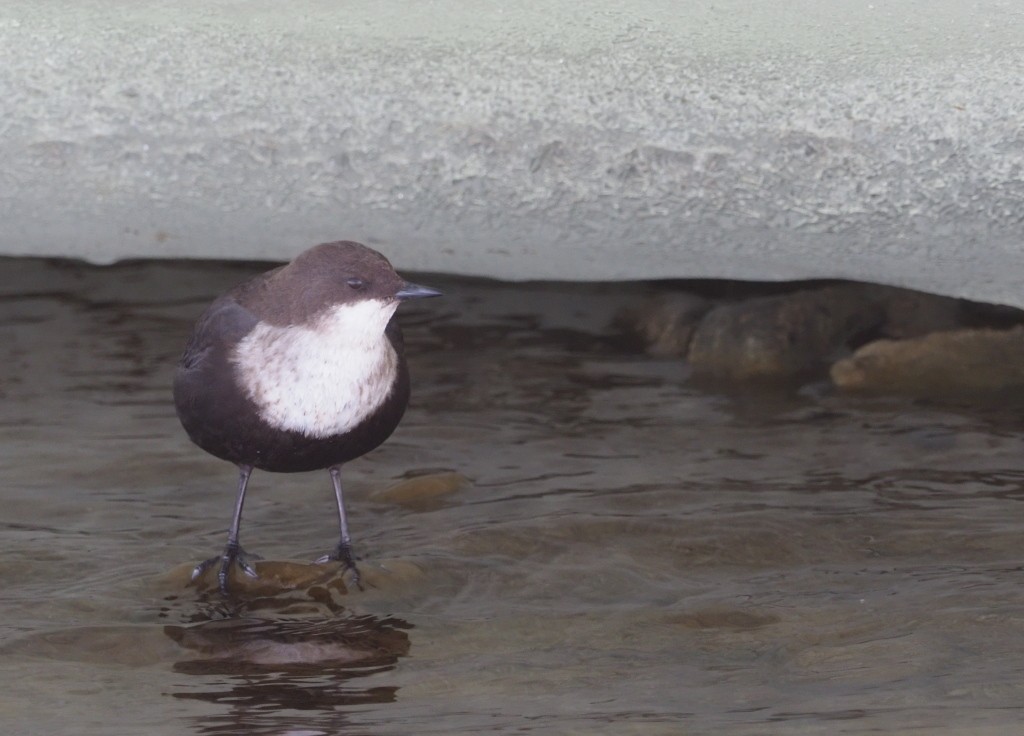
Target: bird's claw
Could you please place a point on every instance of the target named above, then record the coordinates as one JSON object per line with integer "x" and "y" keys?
{"x": 233, "y": 554}
{"x": 343, "y": 554}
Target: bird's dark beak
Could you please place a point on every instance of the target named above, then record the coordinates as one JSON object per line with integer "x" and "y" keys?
{"x": 415, "y": 291}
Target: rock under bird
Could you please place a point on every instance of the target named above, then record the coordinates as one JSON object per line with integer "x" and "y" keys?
{"x": 298, "y": 369}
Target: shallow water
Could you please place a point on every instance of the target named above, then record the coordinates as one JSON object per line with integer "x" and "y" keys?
{"x": 628, "y": 553}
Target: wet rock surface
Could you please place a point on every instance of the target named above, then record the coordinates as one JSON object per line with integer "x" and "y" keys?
{"x": 781, "y": 336}
{"x": 913, "y": 313}
{"x": 276, "y": 577}
{"x": 868, "y": 337}
{"x": 941, "y": 364}
{"x": 283, "y": 580}
{"x": 665, "y": 323}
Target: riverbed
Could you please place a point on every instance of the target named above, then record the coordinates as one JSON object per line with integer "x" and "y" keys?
{"x": 563, "y": 536}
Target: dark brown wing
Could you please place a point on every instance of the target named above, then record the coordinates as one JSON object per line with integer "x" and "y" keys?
{"x": 208, "y": 402}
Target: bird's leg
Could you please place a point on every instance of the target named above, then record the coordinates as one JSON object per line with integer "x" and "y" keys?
{"x": 233, "y": 552}
{"x": 343, "y": 552}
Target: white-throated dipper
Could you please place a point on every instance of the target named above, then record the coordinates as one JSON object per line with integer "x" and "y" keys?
{"x": 298, "y": 369}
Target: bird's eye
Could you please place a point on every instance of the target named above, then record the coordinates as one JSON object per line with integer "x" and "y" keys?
{"x": 356, "y": 283}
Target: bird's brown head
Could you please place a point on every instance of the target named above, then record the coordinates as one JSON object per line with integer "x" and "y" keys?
{"x": 328, "y": 275}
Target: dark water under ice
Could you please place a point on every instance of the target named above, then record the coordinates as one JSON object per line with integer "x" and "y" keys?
{"x": 627, "y": 553}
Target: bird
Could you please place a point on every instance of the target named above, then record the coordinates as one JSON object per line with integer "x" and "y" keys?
{"x": 298, "y": 369}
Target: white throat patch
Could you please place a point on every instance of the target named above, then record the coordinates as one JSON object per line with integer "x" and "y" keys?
{"x": 323, "y": 379}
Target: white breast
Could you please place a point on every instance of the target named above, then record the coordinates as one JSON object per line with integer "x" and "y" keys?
{"x": 323, "y": 379}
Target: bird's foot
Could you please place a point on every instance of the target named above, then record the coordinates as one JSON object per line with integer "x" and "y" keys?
{"x": 233, "y": 555}
{"x": 343, "y": 554}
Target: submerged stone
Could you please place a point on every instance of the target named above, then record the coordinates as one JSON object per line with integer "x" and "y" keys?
{"x": 422, "y": 490}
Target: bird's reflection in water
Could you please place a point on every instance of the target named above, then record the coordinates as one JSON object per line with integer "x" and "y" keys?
{"x": 284, "y": 664}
